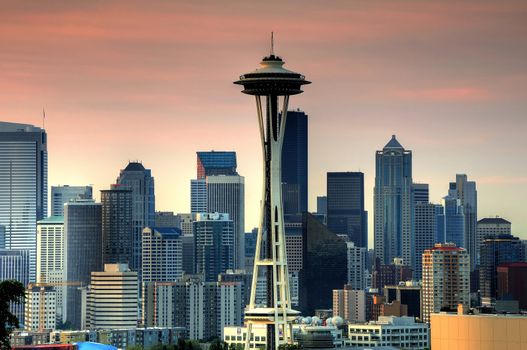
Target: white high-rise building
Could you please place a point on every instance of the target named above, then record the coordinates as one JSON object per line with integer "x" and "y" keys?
{"x": 446, "y": 279}
{"x": 61, "y": 195}
{"x": 112, "y": 298}
{"x": 162, "y": 254}
{"x": 50, "y": 257}
{"x": 356, "y": 266}
{"x": 40, "y": 308}
{"x": 226, "y": 194}
{"x": 23, "y": 186}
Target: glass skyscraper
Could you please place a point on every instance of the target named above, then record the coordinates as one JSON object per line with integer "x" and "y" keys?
{"x": 454, "y": 221}
{"x": 345, "y": 206}
{"x": 294, "y": 163}
{"x": 216, "y": 163}
{"x": 141, "y": 182}
{"x": 393, "y": 204}
{"x": 23, "y": 186}
{"x": 61, "y": 195}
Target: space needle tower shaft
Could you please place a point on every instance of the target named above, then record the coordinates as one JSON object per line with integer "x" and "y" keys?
{"x": 272, "y": 85}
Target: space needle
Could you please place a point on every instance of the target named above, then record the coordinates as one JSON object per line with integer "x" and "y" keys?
{"x": 271, "y": 84}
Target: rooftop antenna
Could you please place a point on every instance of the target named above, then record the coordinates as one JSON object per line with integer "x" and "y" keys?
{"x": 272, "y": 43}
{"x": 43, "y": 118}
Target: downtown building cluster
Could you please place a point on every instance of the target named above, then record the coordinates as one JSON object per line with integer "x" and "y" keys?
{"x": 119, "y": 264}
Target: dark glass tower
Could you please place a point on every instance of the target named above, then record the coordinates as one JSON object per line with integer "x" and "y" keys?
{"x": 117, "y": 232}
{"x": 345, "y": 206}
{"x": 141, "y": 182}
{"x": 294, "y": 163}
{"x": 495, "y": 251}
{"x": 216, "y": 163}
{"x": 324, "y": 265}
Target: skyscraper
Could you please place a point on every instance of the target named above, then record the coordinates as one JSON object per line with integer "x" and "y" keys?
{"x": 162, "y": 254}
{"x": 425, "y": 232}
{"x": 83, "y": 252}
{"x": 117, "y": 230}
{"x": 112, "y": 299}
{"x": 393, "y": 204}
{"x": 421, "y": 193}
{"x": 61, "y": 195}
{"x": 490, "y": 227}
{"x": 141, "y": 182}
{"x": 295, "y": 163}
{"x": 345, "y": 206}
{"x": 226, "y": 194}
{"x": 466, "y": 192}
{"x": 454, "y": 221}
{"x": 216, "y": 163}
{"x": 214, "y": 242}
{"x": 322, "y": 205}
{"x": 219, "y": 188}
{"x": 23, "y": 186}
{"x": 14, "y": 265}
{"x": 496, "y": 250}
{"x": 356, "y": 266}
{"x": 446, "y": 279}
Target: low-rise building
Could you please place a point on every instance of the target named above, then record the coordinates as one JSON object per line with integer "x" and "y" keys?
{"x": 478, "y": 331}
{"x": 400, "y": 332}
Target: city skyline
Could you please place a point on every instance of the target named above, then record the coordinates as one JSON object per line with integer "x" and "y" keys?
{"x": 456, "y": 115}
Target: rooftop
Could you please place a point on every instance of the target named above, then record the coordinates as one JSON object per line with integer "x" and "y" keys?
{"x": 495, "y": 220}
{"x": 134, "y": 166}
{"x": 393, "y": 143}
{"x": 52, "y": 220}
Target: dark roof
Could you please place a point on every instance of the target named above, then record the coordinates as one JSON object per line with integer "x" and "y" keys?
{"x": 493, "y": 221}
{"x": 167, "y": 231}
{"x": 393, "y": 143}
{"x": 134, "y": 166}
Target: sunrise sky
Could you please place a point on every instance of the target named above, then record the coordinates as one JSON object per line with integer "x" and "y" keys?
{"x": 152, "y": 81}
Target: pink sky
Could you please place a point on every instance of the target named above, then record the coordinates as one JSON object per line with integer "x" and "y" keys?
{"x": 152, "y": 80}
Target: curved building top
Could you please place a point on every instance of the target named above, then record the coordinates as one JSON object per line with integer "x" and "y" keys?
{"x": 272, "y": 79}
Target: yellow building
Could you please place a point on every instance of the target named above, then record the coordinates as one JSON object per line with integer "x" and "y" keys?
{"x": 450, "y": 331}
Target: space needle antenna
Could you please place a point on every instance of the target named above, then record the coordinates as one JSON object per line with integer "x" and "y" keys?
{"x": 272, "y": 43}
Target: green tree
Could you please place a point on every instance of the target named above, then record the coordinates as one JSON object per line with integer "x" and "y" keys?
{"x": 10, "y": 292}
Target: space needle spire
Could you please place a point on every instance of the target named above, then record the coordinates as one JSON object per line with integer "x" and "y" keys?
{"x": 271, "y": 84}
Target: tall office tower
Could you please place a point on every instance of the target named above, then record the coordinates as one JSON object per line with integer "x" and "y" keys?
{"x": 446, "y": 279}
{"x": 198, "y": 196}
{"x": 117, "y": 229}
{"x": 490, "y": 227}
{"x": 188, "y": 251}
{"x": 226, "y": 194}
{"x": 294, "y": 163}
{"x": 162, "y": 254}
{"x": 14, "y": 265}
{"x": 390, "y": 274}
{"x": 141, "y": 182}
{"x": 167, "y": 219}
{"x": 496, "y": 250}
{"x": 466, "y": 192}
{"x": 82, "y": 252}
{"x": 50, "y": 257}
{"x": 350, "y": 304}
{"x": 322, "y": 205}
{"x": 61, "y": 195}
{"x": 41, "y": 308}
{"x": 393, "y": 204}
{"x": 324, "y": 265}
{"x": 345, "y": 206}
{"x": 512, "y": 283}
{"x": 214, "y": 237}
{"x": 440, "y": 224}
{"x": 275, "y": 84}
{"x": 112, "y": 298}
{"x": 425, "y": 226}
{"x": 23, "y": 186}
{"x": 215, "y": 163}
{"x": 356, "y": 266}
{"x": 420, "y": 193}
{"x": 238, "y": 276}
{"x": 454, "y": 221}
